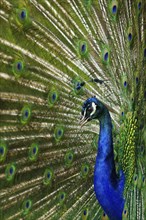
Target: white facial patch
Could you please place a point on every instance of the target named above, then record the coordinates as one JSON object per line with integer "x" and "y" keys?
{"x": 94, "y": 108}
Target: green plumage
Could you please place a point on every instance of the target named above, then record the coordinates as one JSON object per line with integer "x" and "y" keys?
{"x": 48, "y": 48}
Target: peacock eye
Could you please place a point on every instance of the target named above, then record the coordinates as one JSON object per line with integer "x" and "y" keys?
{"x": 90, "y": 109}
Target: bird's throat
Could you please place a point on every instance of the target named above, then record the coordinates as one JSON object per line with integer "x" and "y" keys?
{"x": 106, "y": 182}
{"x": 105, "y": 142}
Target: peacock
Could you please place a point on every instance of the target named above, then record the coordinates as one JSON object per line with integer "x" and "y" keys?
{"x": 73, "y": 110}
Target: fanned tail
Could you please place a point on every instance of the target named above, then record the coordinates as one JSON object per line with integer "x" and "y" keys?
{"x": 55, "y": 54}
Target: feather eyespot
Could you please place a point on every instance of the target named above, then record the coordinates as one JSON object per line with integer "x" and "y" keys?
{"x": 26, "y": 206}
{"x": 23, "y": 14}
{"x": 85, "y": 213}
{"x": 83, "y": 48}
{"x": 3, "y": 151}
{"x": 25, "y": 114}
{"x": 106, "y": 56}
{"x": 10, "y": 172}
{"x": 33, "y": 152}
{"x": 125, "y": 213}
{"x": 48, "y": 176}
{"x": 114, "y": 9}
{"x": 129, "y": 36}
{"x": 61, "y": 198}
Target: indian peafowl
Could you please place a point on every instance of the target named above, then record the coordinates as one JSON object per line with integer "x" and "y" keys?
{"x": 72, "y": 110}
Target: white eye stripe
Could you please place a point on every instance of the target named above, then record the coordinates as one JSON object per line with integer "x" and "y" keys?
{"x": 94, "y": 108}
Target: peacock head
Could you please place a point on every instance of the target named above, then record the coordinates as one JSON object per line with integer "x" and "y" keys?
{"x": 92, "y": 109}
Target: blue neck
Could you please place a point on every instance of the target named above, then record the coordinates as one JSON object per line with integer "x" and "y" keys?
{"x": 108, "y": 187}
{"x": 105, "y": 142}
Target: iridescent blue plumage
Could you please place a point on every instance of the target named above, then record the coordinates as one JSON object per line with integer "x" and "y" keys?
{"x": 107, "y": 185}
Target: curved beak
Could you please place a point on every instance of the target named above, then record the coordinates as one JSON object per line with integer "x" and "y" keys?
{"x": 84, "y": 120}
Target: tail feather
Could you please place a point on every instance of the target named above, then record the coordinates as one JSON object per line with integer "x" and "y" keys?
{"x": 55, "y": 54}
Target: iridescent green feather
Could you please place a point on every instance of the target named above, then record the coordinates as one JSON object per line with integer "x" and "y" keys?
{"x": 48, "y": 48}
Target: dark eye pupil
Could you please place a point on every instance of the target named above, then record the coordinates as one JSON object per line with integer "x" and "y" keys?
{"x": 90, "y": 109}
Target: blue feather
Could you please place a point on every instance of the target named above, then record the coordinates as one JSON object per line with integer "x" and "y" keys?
{"x": 107, "y": 185}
